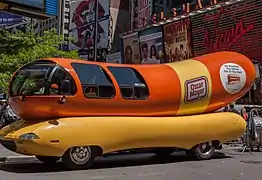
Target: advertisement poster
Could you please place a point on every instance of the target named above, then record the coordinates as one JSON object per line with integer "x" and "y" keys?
{"x": 151, "y": 46}
{"x": 145, "y": 9}
{"x": 177, "y": 36}
{"x": 82, "y": 28}
{"x": 114, "y": 58}
{"x": 131, "y": 49}
{"x": 9, "y": 19}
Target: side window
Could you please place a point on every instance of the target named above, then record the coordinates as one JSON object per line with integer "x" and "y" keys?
{"x": 60, "y": 75}
{"x": 131, "y": 83}
{"x": 95, "y": 82}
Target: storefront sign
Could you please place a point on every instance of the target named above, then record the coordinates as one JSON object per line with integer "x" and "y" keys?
{"x": 227, "y": 37}
{"x": 235, "y": 27}
{"x": 6, "y": 18}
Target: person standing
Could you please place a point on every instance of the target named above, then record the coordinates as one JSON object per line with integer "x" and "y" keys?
{"x": 232, "y": 108}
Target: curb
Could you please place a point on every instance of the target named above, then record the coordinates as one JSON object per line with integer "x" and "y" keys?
{"x": 17, "y": 158}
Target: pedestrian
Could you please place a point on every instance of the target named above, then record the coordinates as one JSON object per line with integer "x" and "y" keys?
{"x": 225, "y": 109}
{"x": 244, "y": 114}
{"x": 232, "y": 108}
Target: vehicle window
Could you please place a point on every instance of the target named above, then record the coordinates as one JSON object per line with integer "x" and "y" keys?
{"x": 95, "y": 82}
{"x": 59, "y": 76}
{"x": 32, "y": 79}
{"x": 132, "y": 85}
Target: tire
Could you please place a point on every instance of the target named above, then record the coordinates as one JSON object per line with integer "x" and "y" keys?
{"x": 203, "y": 151}
{"x": 48, "y": 159}
{"x": 80, "y": 157}
{"x": 163, "y": 151}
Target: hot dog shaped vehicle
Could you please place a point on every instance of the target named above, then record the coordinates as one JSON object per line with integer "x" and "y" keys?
{"x": 78, "y": 110}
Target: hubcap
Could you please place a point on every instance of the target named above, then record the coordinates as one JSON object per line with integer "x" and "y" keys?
{"x": 205, "y": 148}
{"x": 80, "y": 155}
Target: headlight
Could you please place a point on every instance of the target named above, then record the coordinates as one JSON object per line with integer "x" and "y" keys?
{"x": 28, "y": 136}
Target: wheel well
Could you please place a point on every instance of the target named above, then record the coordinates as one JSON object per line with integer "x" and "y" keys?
{"x": 97, "y": 150}
{"x": 216, "y": 143}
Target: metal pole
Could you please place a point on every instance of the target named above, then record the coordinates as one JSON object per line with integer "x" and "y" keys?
{"x": 96, "y": 31}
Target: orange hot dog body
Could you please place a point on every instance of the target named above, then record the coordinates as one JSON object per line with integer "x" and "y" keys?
{"x": 199, "y": 85}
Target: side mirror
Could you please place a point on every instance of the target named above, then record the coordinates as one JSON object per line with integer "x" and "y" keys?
{"x": 65, "y": 87}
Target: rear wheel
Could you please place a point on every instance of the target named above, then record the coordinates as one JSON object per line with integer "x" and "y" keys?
{"x": 203, "y": 151}
{"x": 79, "y": 157}
{"x": 48, "y": 159}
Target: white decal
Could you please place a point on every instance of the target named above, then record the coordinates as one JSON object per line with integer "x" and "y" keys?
{"x": 196, "y": 89}
{"x": 233, "y": 77}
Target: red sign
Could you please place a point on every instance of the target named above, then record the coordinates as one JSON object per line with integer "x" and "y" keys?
{"x": 227, "y": 37}
{"x": 235, "y": 27}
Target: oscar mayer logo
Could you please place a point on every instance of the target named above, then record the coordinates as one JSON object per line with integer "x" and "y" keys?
{"x": 196, "y": 89}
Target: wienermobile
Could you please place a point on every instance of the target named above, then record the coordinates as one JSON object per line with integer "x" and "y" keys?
{"x": 77, "y": 110}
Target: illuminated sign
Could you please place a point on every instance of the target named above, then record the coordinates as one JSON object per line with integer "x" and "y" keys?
{"x": 32, "y": 3}
{"x": 185, "y": 9}
{"x": 144, "y": 12}
{"x": 51, "y": 7}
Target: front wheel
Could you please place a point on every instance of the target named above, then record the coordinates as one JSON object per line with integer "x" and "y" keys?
{"x": 203, "y": 151}
{"x": 79, "y": 157}
{"x": 48, "y": 159}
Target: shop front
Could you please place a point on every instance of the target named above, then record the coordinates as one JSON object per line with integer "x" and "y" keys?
{"x": 236, "y": 27}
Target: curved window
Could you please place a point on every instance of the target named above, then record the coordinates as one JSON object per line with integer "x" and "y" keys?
{"x": 57, "y": 78}
{"x": 95, "y": 82}
{"x": 132, "y": 85}
{"x": 32, "y": 79}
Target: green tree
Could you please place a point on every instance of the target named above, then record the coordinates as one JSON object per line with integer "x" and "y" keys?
{"x": 17, "y": 49}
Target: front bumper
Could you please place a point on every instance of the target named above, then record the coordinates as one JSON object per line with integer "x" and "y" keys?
{"x": 9, "y": 138}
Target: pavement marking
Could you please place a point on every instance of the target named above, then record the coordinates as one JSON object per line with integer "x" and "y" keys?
{"x": 152, "y": 174}
{"x": 104, "y": 177}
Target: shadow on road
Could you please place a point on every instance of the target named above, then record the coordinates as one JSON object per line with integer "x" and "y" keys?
{"x": 102, "y": 163}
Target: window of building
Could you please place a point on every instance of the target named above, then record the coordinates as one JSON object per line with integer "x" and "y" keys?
{"x": 59, "y": 76}
{"x": 95, "y": 82}
{"x": 131, "y": 83}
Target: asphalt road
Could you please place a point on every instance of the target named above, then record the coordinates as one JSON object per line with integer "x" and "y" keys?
{"x": 228, "y": 165}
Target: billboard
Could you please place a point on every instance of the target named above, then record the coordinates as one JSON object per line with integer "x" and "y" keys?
{"x": 82, "y": 27}
{"x": 145, "y": 9}
{"x": 9, "y": 19}
{"x": 151, "y": 46}
{"x": 32, "y": 3}
{"x": 131, "y": 49}
{"x": 177, "y": 36}
{"x": 235, "y": 27}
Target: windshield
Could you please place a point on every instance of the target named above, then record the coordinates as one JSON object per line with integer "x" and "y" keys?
{"x": 31, "y": 79}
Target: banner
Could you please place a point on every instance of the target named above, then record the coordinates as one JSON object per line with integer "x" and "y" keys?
{"x": 114, "y": 58}
{"x": 82, "y": 28}
{"x": 151, "y": 46}
{"x": 9, "y": 19}
{"x": 177, "y": 36}
{"x": 32, "y": 3}
{"x": 131, "y": 49}
{"x": 145, "y": 9}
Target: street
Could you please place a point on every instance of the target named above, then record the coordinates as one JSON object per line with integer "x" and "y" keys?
{"x": 227, "y": 165}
